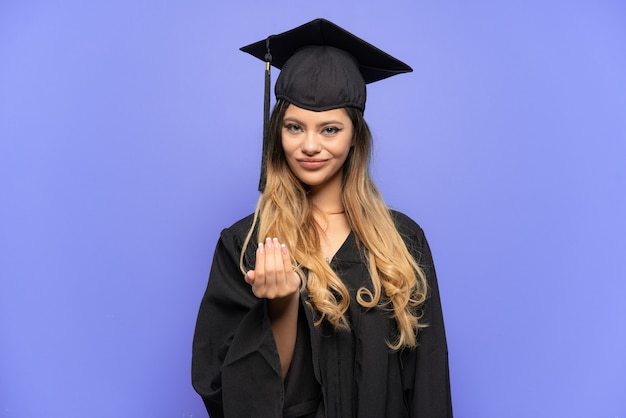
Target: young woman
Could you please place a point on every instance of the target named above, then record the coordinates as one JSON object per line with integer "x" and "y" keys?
{"x": 324, "y": 302}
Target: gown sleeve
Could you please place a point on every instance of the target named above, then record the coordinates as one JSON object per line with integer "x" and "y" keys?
{"x": 431, "y": 396}
{"x": 235, "y": 363}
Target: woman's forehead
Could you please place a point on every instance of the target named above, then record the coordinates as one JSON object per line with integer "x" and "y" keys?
{"x": 299, "y": 113}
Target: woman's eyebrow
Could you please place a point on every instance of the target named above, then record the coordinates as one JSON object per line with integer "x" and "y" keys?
{"x": 319, "y": 125}
{"x": 331, "y": 122}
{"x": 292, "y": 119}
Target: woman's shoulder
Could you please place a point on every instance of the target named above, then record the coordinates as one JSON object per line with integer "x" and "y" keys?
{"x": 405, "y": 224}
{"x": 414, "y": 237}
{"x": 235, "y": 234}
{"x": 241, "y": 227}
{"x": 232, "y": 239}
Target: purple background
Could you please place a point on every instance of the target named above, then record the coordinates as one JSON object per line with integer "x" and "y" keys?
{"x": 129, "y": 136}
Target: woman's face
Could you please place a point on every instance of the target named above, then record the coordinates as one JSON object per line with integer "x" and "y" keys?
{"x": 316, "y": 144}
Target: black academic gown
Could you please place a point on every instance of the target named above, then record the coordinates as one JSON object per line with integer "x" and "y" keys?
{"x": 334, "y": 373}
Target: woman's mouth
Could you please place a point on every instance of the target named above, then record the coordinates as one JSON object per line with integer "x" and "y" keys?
{"x": 311, "y": 163}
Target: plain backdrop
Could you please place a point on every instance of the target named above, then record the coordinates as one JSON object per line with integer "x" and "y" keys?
{"x": 130, "y": 136}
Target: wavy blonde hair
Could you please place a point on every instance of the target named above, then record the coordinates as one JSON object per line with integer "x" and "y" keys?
{"x": 398, "y": 284}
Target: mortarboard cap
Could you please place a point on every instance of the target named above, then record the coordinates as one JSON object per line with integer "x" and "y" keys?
{"x": 323, "y": 67}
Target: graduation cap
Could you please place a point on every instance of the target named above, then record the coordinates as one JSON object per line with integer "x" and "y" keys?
{"x": 323, "y": 67}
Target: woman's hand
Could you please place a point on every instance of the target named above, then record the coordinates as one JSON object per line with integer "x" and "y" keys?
{"x": 273, "y": 276}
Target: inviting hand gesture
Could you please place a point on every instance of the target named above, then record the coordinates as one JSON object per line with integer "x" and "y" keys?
{"x": 273, "y": 276}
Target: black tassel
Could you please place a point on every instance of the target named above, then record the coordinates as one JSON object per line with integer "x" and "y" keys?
{"x": 266, "y": 115}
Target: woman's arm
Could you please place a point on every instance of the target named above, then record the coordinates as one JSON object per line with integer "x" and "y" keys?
{"x": 235, "y": 364}
{"x": 274, "y": 279}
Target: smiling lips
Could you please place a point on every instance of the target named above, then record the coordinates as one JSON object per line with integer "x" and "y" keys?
{"x": 311, "y": 163}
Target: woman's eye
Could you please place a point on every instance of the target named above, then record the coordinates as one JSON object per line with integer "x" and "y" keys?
{"x": 293, "y": 128}
{"x": 330, "y": 130}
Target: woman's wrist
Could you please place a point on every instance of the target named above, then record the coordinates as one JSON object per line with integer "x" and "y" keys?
{"x": 277, "y": 307}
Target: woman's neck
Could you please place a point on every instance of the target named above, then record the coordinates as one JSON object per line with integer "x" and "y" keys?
{"x": 327, "y": 199}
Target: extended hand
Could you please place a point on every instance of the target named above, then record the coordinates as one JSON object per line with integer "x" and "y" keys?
{"x": 273, "y": 276}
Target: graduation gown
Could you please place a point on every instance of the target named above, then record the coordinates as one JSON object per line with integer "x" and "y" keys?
{"x": 334, "y": 373}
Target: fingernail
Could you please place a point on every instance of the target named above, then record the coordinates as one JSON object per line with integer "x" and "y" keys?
{"x": 268, "y": 242}
{"x": 283, "y": 248}
{"x": 260, "y": 247}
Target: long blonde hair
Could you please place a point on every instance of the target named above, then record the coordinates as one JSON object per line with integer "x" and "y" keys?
{"x": 398, "y": 284}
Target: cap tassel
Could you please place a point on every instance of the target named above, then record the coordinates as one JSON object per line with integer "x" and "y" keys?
{"x": 266, "y": 115}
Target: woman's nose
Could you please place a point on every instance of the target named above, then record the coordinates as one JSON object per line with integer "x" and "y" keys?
{"x": 311, "y": 144}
